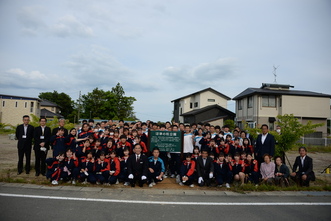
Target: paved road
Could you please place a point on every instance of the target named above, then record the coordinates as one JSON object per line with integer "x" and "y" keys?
{"x": 34, "y": 202}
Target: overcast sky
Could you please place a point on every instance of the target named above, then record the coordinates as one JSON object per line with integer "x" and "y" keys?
{"x": 163, "y": 50}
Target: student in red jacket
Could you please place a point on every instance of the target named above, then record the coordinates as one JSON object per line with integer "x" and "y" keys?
{"x": 238, "y": 168}
{"x": 102, "y": 169}
{"x": 251, "y": 169}
{"x": 222, "y": 171}
{"x": 114, "y": 168}
{"x": 187, "y": 171}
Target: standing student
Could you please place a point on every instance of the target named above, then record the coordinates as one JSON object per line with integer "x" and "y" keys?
{"x": 24, "y": 135}
{"x": 42, "y": 135}
{"x": 205, "y": 169}
{"x": 188, "y": 140}
{"x": 265, "y": 144}
{"x": 156, "y": 168}
{"x": 137, "y": 167}
{"x": 303, "y": 168}
{"x": 57, "y": 142}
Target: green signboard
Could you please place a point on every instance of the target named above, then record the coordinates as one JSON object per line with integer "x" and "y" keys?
{"x": 169, "y": 141}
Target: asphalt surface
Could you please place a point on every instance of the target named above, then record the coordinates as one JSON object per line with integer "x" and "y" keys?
{"x": 37, "y": 202}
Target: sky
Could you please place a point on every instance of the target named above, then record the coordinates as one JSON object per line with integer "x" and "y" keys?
{"x": 162, "y": 50}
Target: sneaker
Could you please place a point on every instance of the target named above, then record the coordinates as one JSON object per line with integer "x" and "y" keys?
{"x": 165, "y": 176}
{"x": 54, "y": 182}
{"x": 73, "y": 182}
{"x": 227, "y": 185}
{"x": 150, "y": 185}
{"x": 117, "y": 182}
{"x": 98, "y": 183}
{"x": 192, "y": 185}
{"x": 85, "y": 181}
{"x": 181, "y": 184}
{"x": 219, "y": 185}
{"x": 154, "y": 183}
{"x": 177, "y": 179}
{"x": 126, "y": 184}
{"x": 172, "y": 176}
{"x": 256, "y": 185}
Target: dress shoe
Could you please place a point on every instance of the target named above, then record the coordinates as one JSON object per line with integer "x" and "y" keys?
{"x": 19, "y": 172}
{"x": 43, "y": 174}
{"x": 37, "y": 174}
{"x": 27, "y": 172}
{"x": 133, "y": 185}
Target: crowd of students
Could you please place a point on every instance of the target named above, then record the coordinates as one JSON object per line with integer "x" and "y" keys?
{"x": 109, "y": 153}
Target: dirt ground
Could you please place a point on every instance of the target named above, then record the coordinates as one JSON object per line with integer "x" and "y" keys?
{"x": 8, "y": 164}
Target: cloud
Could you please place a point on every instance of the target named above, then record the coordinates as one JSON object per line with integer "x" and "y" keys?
{"x": 204, "y": 74}
{"x": 97, "y": 67}
{"x": 69, "y": 25}
{"x": 31, "y": 18}
{"x": 16, "y": 77}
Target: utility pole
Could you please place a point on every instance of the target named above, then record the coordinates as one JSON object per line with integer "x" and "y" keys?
{"x": 78, "y": 114}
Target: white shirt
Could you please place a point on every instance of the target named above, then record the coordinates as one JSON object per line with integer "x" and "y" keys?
{"x": 263, "y": 137}
{"x": 303, "y": 160}
{"x": 188, "y": 143}
{"x": 25, "y": 129}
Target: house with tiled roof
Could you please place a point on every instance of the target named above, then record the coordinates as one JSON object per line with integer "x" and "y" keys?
{"x": 257, "y": 106}
{"x": 207, "y": 105}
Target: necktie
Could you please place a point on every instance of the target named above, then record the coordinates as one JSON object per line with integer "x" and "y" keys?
{"x": 138, "y": 158}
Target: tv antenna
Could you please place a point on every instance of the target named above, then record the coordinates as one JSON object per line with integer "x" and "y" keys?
{"x": 275, "y": 74}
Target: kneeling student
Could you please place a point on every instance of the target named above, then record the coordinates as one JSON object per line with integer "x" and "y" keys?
{"x": 156, "y": 168}
{"x": 114, "y": 168}
{"x": 187, "y": 171}
{"x": 56, "y": 169}
{"x": 222, "y": 171}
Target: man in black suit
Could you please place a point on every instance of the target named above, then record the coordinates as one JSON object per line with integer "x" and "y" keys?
{"x": 42, "y": 136}
{"x": 24, "y": 135}
{"x": 305, "y": 165}
{"x": 137, "y": 167}
{"x": 61, "y": 125}
{"x": 205, "y": 168}
{"x": 265, "y": 144}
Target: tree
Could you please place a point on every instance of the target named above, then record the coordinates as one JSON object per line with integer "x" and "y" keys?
{"x": 123, "y": 104}
{"x": 108, "y": 104}
{"x": 291, "y": 131}
{"x": 230, "y": 123}
{"x": 61, "y": 99}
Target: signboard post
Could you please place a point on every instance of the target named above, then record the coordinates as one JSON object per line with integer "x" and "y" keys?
{"x": 167, "y": 141}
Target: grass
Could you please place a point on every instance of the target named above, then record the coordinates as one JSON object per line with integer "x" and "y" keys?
{"x": 314, "y": 148}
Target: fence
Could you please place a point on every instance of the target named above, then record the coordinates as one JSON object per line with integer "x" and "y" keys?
{"x": 315, "y": 141}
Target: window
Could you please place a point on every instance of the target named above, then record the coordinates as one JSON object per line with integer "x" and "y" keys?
{"x": 250, "y": 102}
{"x": 240, "y": 107}
{"x": 211, "y": 100}
{"x": 52, "y": 108}
{"x": 280, "y": 101}
{"x": 16, "y": 104}
{"x": 196, "y": 104}
{"x": 31, "y": 107}
{"x": 268, "y": 101}
{"x": 181, "y": 111}
{"x": 3, "y": 103}
{"x": 191, "y": 105}
{"x": 26, "y": 104}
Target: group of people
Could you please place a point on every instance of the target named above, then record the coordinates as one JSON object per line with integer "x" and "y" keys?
{"x": 109, "y": 153}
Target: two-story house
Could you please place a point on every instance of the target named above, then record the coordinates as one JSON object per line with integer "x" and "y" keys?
{"x": 13, "y": 108}
{"x": 257, "y": 106}
{"x": 207, "y": 105}
{"x": 50, "y": 110}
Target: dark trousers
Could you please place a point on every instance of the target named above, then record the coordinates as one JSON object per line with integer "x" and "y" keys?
{"x": 254, "y": 177}
{"x": 21, "y": 152}
{"x": 40, "y": 158}
{"x": 174, "y": 164}
{"x": 223, "y": 178}
{"x": 299, "y": 181}
{"x": 137, "y": 178}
